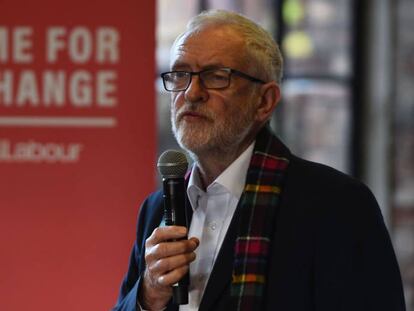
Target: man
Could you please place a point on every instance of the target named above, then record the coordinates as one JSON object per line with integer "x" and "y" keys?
{"x": 269, "y": 231}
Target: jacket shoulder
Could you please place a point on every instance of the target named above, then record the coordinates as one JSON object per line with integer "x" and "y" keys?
{"x": 321, "y": 190}
{"x": 309, "y": 171}
{"x": 321, "y": 181}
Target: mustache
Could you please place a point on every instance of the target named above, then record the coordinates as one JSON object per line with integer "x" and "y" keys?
{"x": 193, "y": 109}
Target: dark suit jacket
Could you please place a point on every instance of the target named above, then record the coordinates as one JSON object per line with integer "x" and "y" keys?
{"x": 330, "y": 250}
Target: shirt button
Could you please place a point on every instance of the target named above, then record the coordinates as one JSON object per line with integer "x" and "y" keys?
{"x": 213, "y": 225}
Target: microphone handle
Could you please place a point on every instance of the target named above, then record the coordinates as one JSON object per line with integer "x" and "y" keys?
{"x": 174, "y": 214}
{"x": 180, "y": 290}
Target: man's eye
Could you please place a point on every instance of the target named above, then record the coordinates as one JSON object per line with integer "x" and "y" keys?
{"x": 220, "y": 77}
{"x": 216, "y": 75}
{"x": 180, "y": 75}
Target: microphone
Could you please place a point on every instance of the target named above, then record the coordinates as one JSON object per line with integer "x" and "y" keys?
{"x": 172, "y": 166}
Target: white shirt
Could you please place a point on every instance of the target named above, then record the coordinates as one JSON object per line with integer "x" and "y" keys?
{"x": 213, "y": 210}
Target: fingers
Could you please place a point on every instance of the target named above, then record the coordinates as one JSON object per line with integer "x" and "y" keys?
{"x": 169, "y": 264}
{"x": 168, "y": 249}
{"x": 173, "y": 276}
{"x": 167, "y": 255}
{"x": 166, "y": 259}
{"x": 159, "y": 244}
{"x": 162, "y": 234}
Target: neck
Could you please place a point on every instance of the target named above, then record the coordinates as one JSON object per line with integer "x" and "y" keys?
{"x": 212, "y": 163}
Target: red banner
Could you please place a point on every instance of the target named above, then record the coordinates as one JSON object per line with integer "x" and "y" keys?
{"x": 77, "y": 148}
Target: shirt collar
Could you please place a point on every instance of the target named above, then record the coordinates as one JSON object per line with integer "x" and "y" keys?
{"x": 232, "y": 179}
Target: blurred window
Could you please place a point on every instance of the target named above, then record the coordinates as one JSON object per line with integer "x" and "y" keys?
{"x": 315, "y": 117}
{"x": 317, "y": 120}
{"x": 403, "y": 157}
{"x": 404, "y": 108}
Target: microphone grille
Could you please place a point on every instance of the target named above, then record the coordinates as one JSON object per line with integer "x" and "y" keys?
{"x": 172, "y": 164}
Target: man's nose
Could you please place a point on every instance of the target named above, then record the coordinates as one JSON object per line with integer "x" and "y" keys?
{"x": 196, "y": 92}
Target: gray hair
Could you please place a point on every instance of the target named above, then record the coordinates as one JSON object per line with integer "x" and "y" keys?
{"x": 260, "y": 44}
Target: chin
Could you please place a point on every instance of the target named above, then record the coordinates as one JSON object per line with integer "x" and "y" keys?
{"x": 194, "y": 140}
{"x": 191, "y": 143}
{"x": 202, "y": 139}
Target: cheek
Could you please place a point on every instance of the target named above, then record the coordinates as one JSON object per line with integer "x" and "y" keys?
{"x": 236, "y": 103}
{"x": 176, "y": 101}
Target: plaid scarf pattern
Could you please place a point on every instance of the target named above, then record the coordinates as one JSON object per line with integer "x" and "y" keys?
{"x": 258, "y": 207}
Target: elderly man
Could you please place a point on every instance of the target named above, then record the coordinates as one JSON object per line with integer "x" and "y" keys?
{"x": 269, "y": 231}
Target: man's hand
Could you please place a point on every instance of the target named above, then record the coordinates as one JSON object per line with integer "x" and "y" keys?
{"x": 167, "y": 261}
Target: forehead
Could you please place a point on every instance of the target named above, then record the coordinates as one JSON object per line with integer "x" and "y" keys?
{"x": 210, "y": 46}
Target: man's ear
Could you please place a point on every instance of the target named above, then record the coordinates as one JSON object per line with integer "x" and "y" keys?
{"x": 269, "y": 97}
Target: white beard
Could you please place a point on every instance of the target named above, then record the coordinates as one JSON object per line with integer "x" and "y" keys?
{"x": 210, "y": 134}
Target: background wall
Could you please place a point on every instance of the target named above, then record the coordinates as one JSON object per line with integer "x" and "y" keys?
{"x": 77, "y": 148}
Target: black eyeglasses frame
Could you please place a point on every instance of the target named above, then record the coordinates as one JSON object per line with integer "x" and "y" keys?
{"x": 198, "y": 73}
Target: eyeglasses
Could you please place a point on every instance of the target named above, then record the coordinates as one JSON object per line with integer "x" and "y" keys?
{"x": 177, "y": 81}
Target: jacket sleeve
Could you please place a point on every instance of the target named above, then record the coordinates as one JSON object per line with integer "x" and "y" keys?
{"x": 149, "y": 218}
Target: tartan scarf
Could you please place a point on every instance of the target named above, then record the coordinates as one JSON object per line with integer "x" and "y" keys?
{"x": 258, "y": 207}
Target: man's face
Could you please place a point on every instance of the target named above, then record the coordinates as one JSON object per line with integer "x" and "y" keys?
{"x": 208, "y": 120}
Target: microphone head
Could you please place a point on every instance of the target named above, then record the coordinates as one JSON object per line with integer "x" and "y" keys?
{"x": 172, "y": 164}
